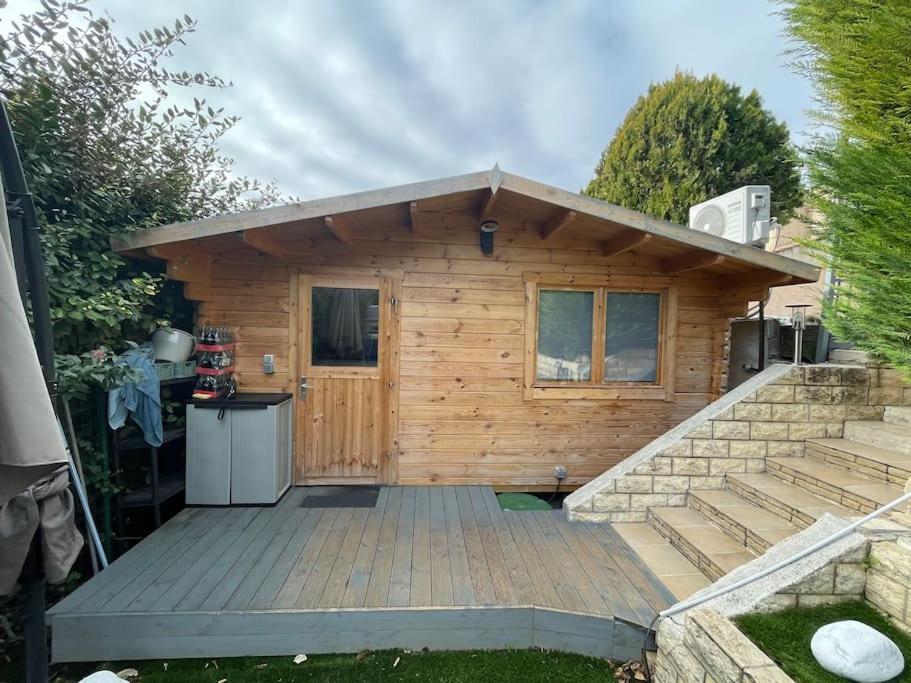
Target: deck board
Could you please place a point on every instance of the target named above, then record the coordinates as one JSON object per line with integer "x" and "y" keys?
{"x": 427, "y": 566}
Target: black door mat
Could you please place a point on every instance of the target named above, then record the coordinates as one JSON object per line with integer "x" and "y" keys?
{"x": 341, "y": 497}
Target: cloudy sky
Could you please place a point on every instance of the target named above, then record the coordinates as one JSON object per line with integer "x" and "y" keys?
{"x": 344, "y": 95}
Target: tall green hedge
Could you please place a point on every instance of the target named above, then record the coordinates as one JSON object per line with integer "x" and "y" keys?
{"x": 689, "y": 139}
{"x": 858, "y": 55}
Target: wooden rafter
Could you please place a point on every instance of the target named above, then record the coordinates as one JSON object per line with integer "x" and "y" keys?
{"x": 624, "y": 242}
{"x": 694, "y": 260}
{"x": 487, "y": 207}
{"x": 263, "y": 243}
{"x": 339, "y": 227}
{"x": 558, "y": 223}
{"x": 417, "y": 218}
{"x": 761, "y": 279}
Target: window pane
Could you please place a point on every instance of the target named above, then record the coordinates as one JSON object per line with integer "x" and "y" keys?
{"x": 345, "y": 326}
{"x": 631, "y": 337}
{"x": 565, "y": 335}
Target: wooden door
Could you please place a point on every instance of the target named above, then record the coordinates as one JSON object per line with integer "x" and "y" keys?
{"x": 348, "y": 387}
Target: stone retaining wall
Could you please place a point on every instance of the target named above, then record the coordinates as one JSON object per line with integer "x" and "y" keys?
{"x": 889, "y": 581}
{"x": 771, "y": 415}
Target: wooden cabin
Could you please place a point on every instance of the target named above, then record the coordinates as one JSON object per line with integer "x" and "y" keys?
{"x": 414, "y": 357}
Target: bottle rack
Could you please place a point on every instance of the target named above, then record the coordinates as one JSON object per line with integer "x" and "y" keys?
{"x": 218, "y": 372}
{"x": 215, "y": 347}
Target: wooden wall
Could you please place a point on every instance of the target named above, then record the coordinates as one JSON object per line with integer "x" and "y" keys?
{"x": 462, "y": 416}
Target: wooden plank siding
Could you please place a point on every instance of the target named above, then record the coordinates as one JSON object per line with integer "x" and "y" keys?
{"x": 462, "y": 417}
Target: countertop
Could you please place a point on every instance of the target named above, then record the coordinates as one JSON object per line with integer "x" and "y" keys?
{"x": 242, "y": 400}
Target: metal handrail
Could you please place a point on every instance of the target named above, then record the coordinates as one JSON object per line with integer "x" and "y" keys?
{"x": 819, "y": 545}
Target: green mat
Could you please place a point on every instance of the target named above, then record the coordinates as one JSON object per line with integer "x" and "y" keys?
{"x": 522, "y": 501}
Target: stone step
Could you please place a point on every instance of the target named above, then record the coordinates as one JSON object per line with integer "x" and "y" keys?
{"x": 888, "y": 435}
{"x": 749, "y": 524}
{"x": 793, "y": 504}
{"x": 678, "y": 574}
{"x": 834, "y": 483}
{"x": 898, "y": 415}
{"x": 705, "y": 545}
{"x": 877, "y": 463}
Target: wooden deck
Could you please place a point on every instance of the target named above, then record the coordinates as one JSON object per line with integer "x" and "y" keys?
{"x": 438, "y": 567}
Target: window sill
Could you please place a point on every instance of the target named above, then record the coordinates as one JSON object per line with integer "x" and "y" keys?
{"x": 594, "y": 393}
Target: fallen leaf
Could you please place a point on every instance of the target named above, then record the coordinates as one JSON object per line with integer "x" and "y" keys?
{"x": 299, "y": 659}
{"x": 261, "y": 666}
{"x": 396, "y": 662}
{"x": 223, "y": 680}
{"x": 128, "y": 673}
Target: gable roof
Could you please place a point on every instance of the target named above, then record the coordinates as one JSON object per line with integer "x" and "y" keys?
{"x": 488, "y": 185}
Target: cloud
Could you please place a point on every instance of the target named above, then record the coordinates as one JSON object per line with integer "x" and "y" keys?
{"x": 351, "y": 95}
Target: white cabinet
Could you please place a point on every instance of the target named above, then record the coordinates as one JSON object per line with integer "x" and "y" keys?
{"x": 243, "y": 458}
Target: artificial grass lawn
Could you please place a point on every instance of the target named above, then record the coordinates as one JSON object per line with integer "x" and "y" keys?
{"x": 529, "y": 666}
{"x": 785, "y": 637}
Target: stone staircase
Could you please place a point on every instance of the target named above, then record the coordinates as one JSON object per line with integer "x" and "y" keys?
{"x": 716, "y": 531}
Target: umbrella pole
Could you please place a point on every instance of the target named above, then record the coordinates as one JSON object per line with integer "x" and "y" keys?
{"x": 30, "y": 270}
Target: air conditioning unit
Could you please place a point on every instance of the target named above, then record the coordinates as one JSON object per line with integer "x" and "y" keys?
{"x": 742, "y": 215}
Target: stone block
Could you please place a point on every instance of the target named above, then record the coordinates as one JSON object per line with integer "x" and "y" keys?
{"x": 891, "y": 558}
{"x": 891, "y": 378}
{"x": 856, "y": 377}
{"x": 785, "y": 449}
{"x": 712, "y": 483}
{"x": 696, "y": 466}
{"x": 644, "y": 501}
{"x": 679, "y": 449}
{"x": 835, "y": 430}
{"x": 820, "y": 582}
{"x": 827, "y": 413}
{"x": 676, "y": 499}
{"x": 776, "y": 603}
{"x": 731, "y": 430}
{"x": 610, "y": 502}
{"x": 720, "y": 646}
{"x": 790, "y": 412}
{"x": 720, "y": 466}
{"x": 850, "y": 395}
{"x": 710, "y": 448}
{"x": 747, "y": 449}
{"x": 769, "y": 430}
{"x": 634, "y": 483}
{"x": 819, "y": 600}
{"x": 821, "y": 374}
{"x": 886, "y": 396}
{"x": 671, "y": 485}
{"x": 775, "y": 393}
{"x": 850, "y": 579}
{"x": 765, "y": 674}
{"x": 703, "y": 431}
{"x": 855, "y": 412}
{"x": 794, "y": 376}
{"x": 755, "y": 465}
{"x": 798, "y": 431}
{"x": 637, "y": 516}
{"x": 656, "y": 465}
{"x": 813, "y": 394}
{"x": 726, "y": 414}
{"x": 591, "y": 516}
{"x": 753, "y": 411}
{"x": 888, "y": 595}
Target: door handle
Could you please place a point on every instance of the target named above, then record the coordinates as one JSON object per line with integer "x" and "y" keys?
{"x": 302, "y": 388}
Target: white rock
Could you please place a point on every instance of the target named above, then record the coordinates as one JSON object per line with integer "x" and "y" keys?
{"x": 102, "y": 677}
{"x": 857, "y": 652}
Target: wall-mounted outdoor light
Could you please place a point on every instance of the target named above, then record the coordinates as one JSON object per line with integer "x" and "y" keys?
{"x": 488, "y": 228}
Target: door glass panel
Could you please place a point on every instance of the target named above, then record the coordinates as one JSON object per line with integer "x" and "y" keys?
{"x": 345, "y": 326}
{"x": 631, "y": 337}
{"x": 565, "y": 335}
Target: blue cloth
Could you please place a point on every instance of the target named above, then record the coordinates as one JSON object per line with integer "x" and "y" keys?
{"x": 142, "y": 400}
